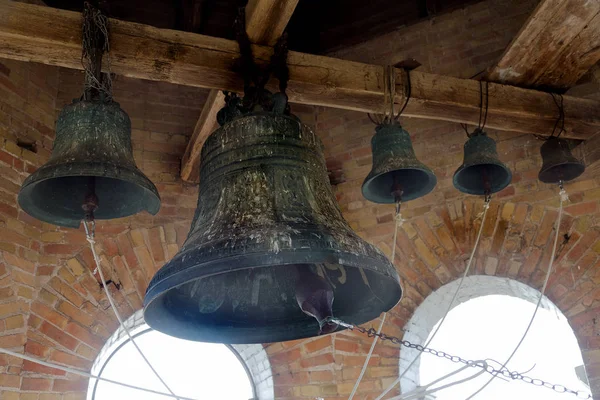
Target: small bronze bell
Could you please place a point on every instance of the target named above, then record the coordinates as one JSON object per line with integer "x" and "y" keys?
{"x": 269, "y": 256}
{"x": 559, "y": 164}
{"x": 396, "y": 168}
{"x": 481, "y": 172}
{"x": 92, "y": 154}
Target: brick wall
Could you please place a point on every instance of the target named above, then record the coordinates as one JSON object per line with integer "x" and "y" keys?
{"x": 52, "y": 307}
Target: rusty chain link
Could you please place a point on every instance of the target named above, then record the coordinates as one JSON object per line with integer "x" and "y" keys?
{"x": 505, "y": 372}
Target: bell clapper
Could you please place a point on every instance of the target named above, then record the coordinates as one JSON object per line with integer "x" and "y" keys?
{"x": 90, "y": 202}
{"x": 315, "y": 298}
{"x": 89, "y": 206}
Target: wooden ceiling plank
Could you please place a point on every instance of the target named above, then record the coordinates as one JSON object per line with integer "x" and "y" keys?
{"x": 554, "y": 48}
{"x": 265, "y": 22}
{"x": 51, "y": 36}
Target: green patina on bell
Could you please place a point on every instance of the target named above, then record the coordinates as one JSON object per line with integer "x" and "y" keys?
{"x": 396, "y": 168}
{"x": 92, "y": 152}
{"x": 481, "y": 172}
{"x": 269, "y": 256}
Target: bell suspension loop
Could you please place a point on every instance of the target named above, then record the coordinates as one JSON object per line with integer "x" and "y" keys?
{"x": 95, "y": 43}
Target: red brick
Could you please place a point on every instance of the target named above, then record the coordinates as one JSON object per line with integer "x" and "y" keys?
{"x": 66, "y": 291}
{"x": 75, "y": 314}
{"x": 11, "y": 341}
{"x": 61, "y": 249}
{"x": 546, "y": 228}
{"x": 286, "y": 357}
{"x": 70, "y": 385}
{"x": 346, "y": 346}
{"x": 110, "y": 247}
{"x": 582, "y": 208}
{"x": 70, "y": 360}
{"x": 29, "y": 366}
{"x": 58, "y": 336}
{"x": 318, "y": 344}
{"x": 323, "y": 359}
{"x": 36, "y": 384}
{"x": 84, "y": 335}
{"x": 37, "y": 349}
{"x": 156, "y": 244}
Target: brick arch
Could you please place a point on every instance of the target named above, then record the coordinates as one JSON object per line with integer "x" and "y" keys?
{"x": 252, "y": 356}
{"x": 432, "y": 310}
{"x": 68, "y": 315}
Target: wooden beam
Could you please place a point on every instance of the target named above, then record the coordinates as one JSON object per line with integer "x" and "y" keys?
{"x": 265, "y": 22}
{"x": 207, "y": 123}
{"x": 266, "y": 19}
{"x": 51, "y": 36}
{"x": 557, "y": 45}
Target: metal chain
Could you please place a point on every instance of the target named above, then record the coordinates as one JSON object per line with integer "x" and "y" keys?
{"x": 505, "y": 372}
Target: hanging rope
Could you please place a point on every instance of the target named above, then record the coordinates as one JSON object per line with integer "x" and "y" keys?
{"x": 561, "y": 115}
{"x": 560, "y": 119}
{"x": 398, "y": 223}
{"x": 389, "y": 95}
{"x": 563, "y": 198}
{"x": 483, "y": 110}
{"x": 90, "y": 235}
{"x": 486, "y": 206}
{"x": 422, "y": 391}
{"x": 407, "y": 94}
{"x": 366, "y": 364}
{"x": 95, "y": 42}
{"x": 87, "y": 375}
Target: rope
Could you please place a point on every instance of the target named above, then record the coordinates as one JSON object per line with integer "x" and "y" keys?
{"x": 87, "y": 375}
{"x": 364, "y": 368}
{"x": 398, "y": 224}
{"x": 421, "y": 392}
{"x": 563, "y": 198}
{"x": 486, "y": 207}
{"x": 91, "y": 239}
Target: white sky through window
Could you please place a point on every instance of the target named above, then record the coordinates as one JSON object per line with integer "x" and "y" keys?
{"x": 491, "y": 326}
{"x": 192, "y": 369}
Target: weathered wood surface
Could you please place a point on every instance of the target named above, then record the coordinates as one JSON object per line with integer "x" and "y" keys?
{"x": 207, "y": 123}
{"x": 266, "y": 19}
{"x": 51, "y": 36}
{"x": 557, "y": 45}
{"x": 265, "y": 22}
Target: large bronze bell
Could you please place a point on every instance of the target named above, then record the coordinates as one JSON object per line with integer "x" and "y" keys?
{"x": 397, "y": 174}
{"x": 481, "y": 172}
{"x": 92, "y": 154}
{"x": 267, "y": 242}
{"x": 559, "y": 164}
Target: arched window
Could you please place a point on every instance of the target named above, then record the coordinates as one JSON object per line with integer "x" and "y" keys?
{"x": 488, "y": 320}
{"x": 191, "y": 369}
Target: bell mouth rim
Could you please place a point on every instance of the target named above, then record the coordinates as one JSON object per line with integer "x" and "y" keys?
{"x": 151, "y": 196}
{"x": 505, "y": 183}
{"x": 579, "y": 167}
{"x": 432, "y": 183}
{"x": 158, "y": 290}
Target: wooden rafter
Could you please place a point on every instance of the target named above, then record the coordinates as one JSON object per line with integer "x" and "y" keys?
{"x": 265, "y": 22}
{"x": 557, "y": 45}
{"x": 51, "y": 36}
